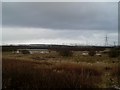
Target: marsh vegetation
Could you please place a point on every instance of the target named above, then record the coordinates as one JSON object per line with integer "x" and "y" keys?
{"x": 52, "y": 70}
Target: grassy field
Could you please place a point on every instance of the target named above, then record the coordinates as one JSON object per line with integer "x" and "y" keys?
{"x": 54, "y": 71}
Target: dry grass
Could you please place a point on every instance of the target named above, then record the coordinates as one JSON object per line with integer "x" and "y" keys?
{"x": 52, "y": 71}
{"x": 27, "y": 74}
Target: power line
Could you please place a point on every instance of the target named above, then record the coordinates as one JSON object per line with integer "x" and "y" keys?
{"x": 106, "y": 40}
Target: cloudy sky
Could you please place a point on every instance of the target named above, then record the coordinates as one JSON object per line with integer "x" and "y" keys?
{"x": 80, "y": 23}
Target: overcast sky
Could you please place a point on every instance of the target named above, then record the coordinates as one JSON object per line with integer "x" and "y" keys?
{"x": 60, "y": 23}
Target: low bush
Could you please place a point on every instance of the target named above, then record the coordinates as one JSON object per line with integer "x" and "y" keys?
{"x": 114, "y": 53}
{"x": 92, "y": 53}
{"x": 25, "y": 52}
{"x": 65, "y": 52}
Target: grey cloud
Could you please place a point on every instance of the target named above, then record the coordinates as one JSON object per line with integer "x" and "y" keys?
{"x": 40, "y": 35}
{"x": 70, "y": 16}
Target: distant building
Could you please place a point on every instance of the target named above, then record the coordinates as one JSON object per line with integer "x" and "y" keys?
{"x": 106, "y": 50}
{"x": 17, "y": 52}
{"x": 33, "y": 51}
{"x": 98, "y": 54}
{"x": 85, "y": 53}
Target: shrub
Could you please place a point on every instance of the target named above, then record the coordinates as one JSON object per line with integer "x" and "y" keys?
{"x": 65, "y": 52}
{"x": 92, "y": 53}
{"x": 25, "y": 52}
{"x": 114, "y": 53}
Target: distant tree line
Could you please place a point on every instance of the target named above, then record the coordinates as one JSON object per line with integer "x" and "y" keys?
{"x": 54, "y": 47}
